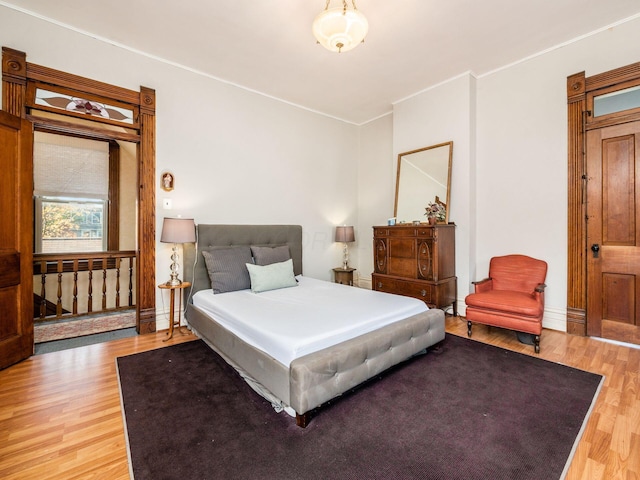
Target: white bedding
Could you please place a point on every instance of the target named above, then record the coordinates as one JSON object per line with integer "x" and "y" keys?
{"x": 292, "y": 322}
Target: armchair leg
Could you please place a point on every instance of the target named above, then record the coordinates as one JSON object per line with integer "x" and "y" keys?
{"x": 536, "y": 343}
{"x": 468, "y": 328}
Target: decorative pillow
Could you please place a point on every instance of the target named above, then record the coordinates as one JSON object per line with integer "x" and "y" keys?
{"x": 271, "y": 277}
{"x": 266, "y": 255}
{"x": 226, "y": 267}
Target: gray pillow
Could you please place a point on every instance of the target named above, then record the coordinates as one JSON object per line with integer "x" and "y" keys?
{"x": 266, "y": 255}
{"x": 227, "y": 268}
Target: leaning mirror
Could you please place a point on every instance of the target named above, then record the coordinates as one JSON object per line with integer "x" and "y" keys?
{"x": 424, "y": 176}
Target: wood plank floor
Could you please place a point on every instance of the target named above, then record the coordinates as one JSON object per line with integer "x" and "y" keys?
{"x": 60, "y": 413}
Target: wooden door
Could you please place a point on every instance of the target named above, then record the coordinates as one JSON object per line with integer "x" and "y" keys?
{"x": 613, "y": 232}
{"x": 16, "y": 240}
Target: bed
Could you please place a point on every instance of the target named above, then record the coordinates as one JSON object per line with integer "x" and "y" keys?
{"x": 304, "y": 382}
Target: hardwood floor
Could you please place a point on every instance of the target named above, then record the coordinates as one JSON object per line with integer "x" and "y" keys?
{"x": 60, "y": 413}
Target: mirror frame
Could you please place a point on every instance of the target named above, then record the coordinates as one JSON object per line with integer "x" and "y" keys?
{"x": 449, "y": 145}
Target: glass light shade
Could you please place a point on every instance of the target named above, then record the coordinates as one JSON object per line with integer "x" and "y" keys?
{"x": 340, "y": 30}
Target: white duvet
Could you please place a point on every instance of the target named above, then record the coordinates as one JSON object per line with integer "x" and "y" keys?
{"x": 292, "y": 322}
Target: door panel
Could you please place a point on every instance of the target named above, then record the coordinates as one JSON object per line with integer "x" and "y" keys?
{"x": 16, "y": 240}
{"x": 613, "y": 238}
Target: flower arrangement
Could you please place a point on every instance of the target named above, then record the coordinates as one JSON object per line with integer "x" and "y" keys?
{"x": 436, "y": 210}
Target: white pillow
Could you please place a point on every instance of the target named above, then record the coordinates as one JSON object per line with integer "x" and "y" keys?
{"x": 271, "y": 277}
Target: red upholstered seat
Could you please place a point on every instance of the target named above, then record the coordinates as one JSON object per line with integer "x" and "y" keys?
{"x": 511, "y": 297}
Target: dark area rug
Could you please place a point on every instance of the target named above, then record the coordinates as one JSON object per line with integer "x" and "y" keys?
{"x": 465, "y": 410}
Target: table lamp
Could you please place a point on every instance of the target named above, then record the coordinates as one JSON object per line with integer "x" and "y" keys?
{"x": 345, "y": 235}
{"x": 177, "y": 230}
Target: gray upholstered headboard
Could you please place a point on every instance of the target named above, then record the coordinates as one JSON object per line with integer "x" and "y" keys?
{"x": 208, "y": 236}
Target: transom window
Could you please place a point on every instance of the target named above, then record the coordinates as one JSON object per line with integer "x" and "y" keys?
{"x": 617, "y": 101}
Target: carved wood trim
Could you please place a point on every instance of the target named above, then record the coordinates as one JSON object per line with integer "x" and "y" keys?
{"x": 52, "y": 125}
{"x": 576, "y": 234}
{"x": 612, "y": 77}
{"x": 576, "y": 87}
{"x": 81, "y": 84}
{"x": 147, "y": 210}
{"x": 17, "y": 73}
{"x": 14, "y": 81}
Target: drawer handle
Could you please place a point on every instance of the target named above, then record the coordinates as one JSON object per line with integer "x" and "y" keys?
{"x": 424, "y": 293}
{"x": 379, "y": 284}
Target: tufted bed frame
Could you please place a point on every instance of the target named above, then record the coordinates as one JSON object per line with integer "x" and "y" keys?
{"x": 315, "y": 378}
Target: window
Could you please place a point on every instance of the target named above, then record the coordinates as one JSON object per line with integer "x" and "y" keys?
{"x": 617, "y": 101}
{"x": 68, "y": 225}
{"x": 71, "y": 193}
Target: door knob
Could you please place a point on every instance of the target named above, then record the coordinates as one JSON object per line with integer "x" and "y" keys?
{"x": 595, "y": 248}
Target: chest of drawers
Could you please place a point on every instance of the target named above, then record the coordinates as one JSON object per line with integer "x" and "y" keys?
{"x": 416, "y": 261}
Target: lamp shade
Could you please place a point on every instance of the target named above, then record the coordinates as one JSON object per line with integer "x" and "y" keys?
{"x": 345, "y": 234}
{"x": 340, "y": 29}
{"x": 178, "y": 230}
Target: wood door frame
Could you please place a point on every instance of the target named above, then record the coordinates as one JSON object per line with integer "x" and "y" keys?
{"x": 17, "y": 73}
{"x": 580, "y": 92}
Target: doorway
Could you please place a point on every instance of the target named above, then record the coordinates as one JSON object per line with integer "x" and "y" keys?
{"x": 85, "y": 206}
{"x": 32, "y": 95}
{"x": 604, "y": 205}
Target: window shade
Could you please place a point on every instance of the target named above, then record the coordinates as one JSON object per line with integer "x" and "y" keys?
{"x": 70, "y": 167}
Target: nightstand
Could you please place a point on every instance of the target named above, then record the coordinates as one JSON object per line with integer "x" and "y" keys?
{"x": 344, "y": 275}
{"x": 172, "y": 304}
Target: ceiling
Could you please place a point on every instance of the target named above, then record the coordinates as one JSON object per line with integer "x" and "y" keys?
{"x": 267, "y": 45}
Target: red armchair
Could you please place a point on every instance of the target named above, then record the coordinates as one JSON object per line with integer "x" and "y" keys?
{"x": 511, "y": 297}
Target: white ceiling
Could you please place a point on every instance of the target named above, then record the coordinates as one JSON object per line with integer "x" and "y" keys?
{"x": 267, "y": 45}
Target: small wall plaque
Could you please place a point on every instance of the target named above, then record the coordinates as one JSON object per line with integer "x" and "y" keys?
{"x": 167, "y": 180}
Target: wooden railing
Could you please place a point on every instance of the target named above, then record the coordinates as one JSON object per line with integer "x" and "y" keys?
{"x": 67, "y": 283}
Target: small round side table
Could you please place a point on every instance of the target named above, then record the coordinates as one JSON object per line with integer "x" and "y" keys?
{"x": 172, "y": 303}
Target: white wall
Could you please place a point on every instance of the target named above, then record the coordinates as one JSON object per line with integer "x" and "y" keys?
{"x": 237, "y": 157}
{"x": 376, "y": 190}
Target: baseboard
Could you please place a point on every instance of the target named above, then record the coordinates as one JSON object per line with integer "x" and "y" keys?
{"x": 363, "y": 282}
{"x": 555, "y": 319}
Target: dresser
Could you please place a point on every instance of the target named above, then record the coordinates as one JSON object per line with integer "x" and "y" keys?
{"x": 416, "y": 261}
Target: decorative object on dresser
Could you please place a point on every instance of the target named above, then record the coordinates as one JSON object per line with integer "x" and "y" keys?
{"x": 416, "y": 261}
{"x": 345, "y": 235}
{"x": 436, "y": 212}
{"x": 177, "y": 230}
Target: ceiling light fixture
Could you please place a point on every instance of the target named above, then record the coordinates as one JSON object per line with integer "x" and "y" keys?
{"x": 340, "y": 29}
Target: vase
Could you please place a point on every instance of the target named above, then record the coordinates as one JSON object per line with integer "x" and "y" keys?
{"x": 432, "y": 220}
